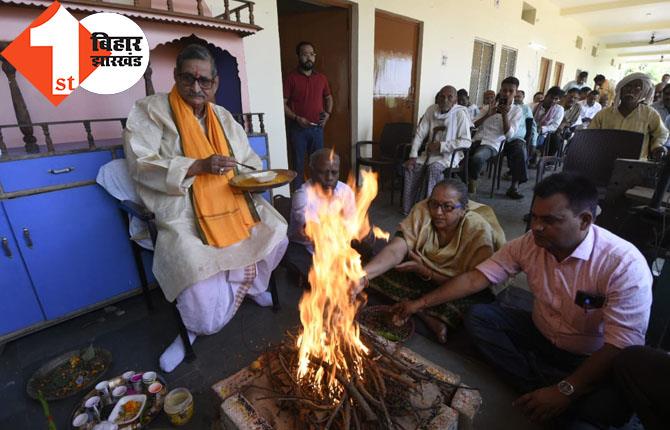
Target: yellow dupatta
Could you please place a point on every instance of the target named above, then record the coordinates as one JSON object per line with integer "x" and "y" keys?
{"x": 223, "y": 216}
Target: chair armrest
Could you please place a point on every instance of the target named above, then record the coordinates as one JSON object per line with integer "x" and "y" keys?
{"x": 402, "y": 151}
{"x": 137, "y": 210}
{"x": 541, "y": 164}
{"x": 360, "y": 143}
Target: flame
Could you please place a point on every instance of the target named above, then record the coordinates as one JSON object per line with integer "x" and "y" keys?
{"x": 327, "y": 312}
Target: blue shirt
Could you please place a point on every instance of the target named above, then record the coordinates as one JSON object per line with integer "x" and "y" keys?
{"x": 521, "y": 131}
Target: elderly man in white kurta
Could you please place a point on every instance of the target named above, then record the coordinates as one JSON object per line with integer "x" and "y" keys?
{"x": 446, "y": 124}
{"x": 215, "y": 245}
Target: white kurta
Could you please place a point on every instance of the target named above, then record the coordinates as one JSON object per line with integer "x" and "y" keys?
{"x": 157, "y": 164}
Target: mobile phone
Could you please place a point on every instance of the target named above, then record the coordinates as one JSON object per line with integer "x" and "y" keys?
{"x": 502, "y": 101}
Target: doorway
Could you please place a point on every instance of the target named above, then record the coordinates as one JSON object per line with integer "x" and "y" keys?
{"x": 395, "y": 84}
{"x": 558, "y": 73}
{"x": 545, "y": 74}
{"x": 328, "y": 28}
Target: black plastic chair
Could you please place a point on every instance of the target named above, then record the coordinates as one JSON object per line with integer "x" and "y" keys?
{"x": 142, "y": 213}
{"x": 395, "y": 136}
{"x": 592, "y": 152}
{"x": 455, "y": 171}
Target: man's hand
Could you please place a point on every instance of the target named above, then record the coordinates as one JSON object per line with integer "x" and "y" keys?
{"x": 303, "y": 122}
{"x": 358, "y": 289}
{"x": 433, "y": 148}
{"x": 543, "y": 404}
{"x": 325, "y": 116}
{"x": 410, "y": 163}
{"x": 658, "y": 153}
{"x": 213, "y": 165}
{"x": 502, "y": 109}
{"x": 415, "y": 264}
{"x": 403, "y": 310}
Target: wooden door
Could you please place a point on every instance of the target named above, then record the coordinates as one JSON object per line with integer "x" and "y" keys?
{"x": 394, "y": 93}
{"x": 545, "y": 72}
{"x": 558, "y": 73}
{"x": 329, "y": 30}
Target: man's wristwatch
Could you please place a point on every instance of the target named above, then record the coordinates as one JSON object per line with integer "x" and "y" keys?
{"x": 566, "y": 388}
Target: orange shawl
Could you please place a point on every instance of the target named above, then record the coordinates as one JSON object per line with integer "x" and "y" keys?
{"x": 223, "y": 216}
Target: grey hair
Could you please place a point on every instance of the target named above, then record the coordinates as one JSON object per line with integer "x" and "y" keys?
{"x": 456, "y": 185}
{"x": 322, "y": 153}
{"x": 195, "y": 52}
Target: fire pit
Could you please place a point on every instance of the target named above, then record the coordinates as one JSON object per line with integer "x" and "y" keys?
{"x": 335, "y": 374}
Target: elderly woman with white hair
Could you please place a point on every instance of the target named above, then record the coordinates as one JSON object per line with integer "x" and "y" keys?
{"x": 631, "y": 111}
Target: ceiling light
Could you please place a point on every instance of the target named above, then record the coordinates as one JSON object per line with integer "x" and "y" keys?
{"x": 536, "y": 46}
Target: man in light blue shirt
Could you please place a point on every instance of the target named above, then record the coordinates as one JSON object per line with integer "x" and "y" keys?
{"x": 662, "y": 106}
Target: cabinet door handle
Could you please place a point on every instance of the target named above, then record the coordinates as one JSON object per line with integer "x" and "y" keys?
{"x": 27, "y": 238}
{"x": 5, "y": 247}
{"x": 61, "y": 171}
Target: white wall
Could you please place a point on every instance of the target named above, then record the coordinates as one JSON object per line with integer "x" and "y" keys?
{"x": 449, "y": 28}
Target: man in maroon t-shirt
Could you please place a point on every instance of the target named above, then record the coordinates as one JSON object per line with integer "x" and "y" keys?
{"x": 307, "y": 105}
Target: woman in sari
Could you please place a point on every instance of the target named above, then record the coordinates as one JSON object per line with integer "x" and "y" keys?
{"x": 442, "y": 237}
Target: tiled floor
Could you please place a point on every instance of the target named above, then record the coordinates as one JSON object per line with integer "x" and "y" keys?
{"x": 137, "y": 337}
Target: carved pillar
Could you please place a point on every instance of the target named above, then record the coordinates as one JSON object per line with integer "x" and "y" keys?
{"x": 199, "y": 7}
{"x": 20, "y": 108}
{"x": 226, "y": 10}
{"x": 148, "y": 83}
{"x": 251, "y": 13}
{"x": 170, "y": 7}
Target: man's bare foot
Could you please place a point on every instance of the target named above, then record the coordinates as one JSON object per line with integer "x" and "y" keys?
{"x": 436, "y": 326}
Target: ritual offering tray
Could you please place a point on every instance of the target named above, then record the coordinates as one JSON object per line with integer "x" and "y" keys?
{"x": 262, "y": 180}
{"x": 380, "y": 320}
{"x": 69, "y": 373}
{"x": 131, "y": 403}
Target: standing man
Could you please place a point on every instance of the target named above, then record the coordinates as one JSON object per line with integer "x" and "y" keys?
{"x": 592, "y": 293}
{"x": 631, "y": 111}
{"x": 578, "y": 83}
{"x": 308, "y": 105}
{"x": 604, "y": 88}
{"x": 662, "y": 106}
{"x": 496, "y": 123}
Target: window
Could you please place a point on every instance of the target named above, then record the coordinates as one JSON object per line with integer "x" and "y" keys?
{"x": 579, "y": 42}
{"x": 528, "y": 13}
{"x": 480, "y": 75}
{"x": 507, "y": 64}
{"x": 594, "y": 51}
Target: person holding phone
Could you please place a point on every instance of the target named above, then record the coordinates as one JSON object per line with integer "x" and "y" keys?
{"x": 308, "y": 105}
{"x": 497, "y": 122}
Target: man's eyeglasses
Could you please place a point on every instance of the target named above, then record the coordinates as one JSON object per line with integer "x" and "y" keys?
{"x": 188, "y": 79}
{"x": 446, "y": 207}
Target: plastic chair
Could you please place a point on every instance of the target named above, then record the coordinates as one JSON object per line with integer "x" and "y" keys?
{"x": 142, "y": 213}
{"x": 395, "y": 136}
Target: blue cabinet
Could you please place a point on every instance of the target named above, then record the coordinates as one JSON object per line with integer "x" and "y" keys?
{"x": 66, "y": 249}
{"x": 19, "y": 306}
{"x": 75, "y": 247}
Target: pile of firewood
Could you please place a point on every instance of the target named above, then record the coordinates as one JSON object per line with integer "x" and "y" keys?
{"x": 374, "y": 394}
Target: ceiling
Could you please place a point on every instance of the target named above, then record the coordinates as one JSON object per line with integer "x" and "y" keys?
{"x": 624, "y": 26}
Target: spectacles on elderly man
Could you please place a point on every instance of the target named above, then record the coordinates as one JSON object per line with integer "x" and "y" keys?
{"x": 188, "y": 80}
{"x": 446, "y": 207}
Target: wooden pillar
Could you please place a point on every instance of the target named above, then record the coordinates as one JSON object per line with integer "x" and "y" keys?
{"x": 251, "y": 13}
{"x": 148, "y": 83}
{"x": 200, "y": 13}
{"x": 20, "y": 108}
{"x": 226, "y": 10}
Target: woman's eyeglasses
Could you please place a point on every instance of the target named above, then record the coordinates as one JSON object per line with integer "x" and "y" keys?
{"x": 188, "y": 79}
{"x": 446, "y": 207}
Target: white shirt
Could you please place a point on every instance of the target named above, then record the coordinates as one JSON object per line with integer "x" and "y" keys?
{"x": 589, "y": 111}
{"x": 491, "y": 133}
{"x": 574, "y": 84}
{"x": 302, "y": 208}
{"x": 456, "y": 134}
{"x": 552, "y": 122}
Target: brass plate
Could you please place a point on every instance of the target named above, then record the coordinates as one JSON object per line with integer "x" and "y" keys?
{"x": 246, "y": 181}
